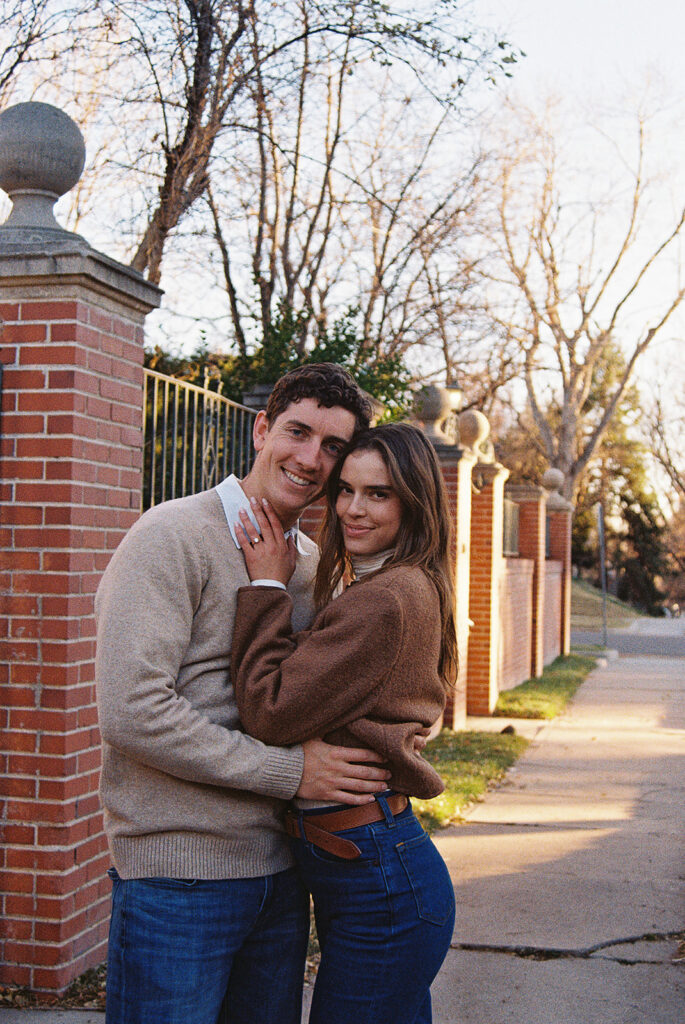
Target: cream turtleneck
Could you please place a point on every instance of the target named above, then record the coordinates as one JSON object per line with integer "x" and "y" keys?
{"x": 362, "y": 565}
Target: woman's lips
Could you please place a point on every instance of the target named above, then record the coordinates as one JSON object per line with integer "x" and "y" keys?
{"x": 356, "y": 531}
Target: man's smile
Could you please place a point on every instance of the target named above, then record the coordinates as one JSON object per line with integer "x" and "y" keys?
{"x": 299, "y": 480}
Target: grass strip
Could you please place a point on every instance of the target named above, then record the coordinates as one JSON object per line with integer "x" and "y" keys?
{"x": 548, "y": 695}
{"x": 469, "y": 762}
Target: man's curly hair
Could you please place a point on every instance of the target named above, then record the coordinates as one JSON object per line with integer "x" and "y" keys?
{"x": 328, "y": 384}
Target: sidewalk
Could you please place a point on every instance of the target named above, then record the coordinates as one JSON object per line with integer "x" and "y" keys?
{"x": 569, "y": 876}
{"x": 643, "y": 636}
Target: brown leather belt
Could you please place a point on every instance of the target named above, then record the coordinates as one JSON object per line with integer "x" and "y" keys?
{"x": 321, "y": 829}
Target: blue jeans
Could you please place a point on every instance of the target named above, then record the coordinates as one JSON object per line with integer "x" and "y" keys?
{"x": 384, "y": 922}
{"x": 188, "y": 951}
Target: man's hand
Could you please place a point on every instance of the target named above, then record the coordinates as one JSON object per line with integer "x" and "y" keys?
{"x": 335, "y": 773}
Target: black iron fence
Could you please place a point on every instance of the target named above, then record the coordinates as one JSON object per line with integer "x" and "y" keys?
{"x": 193, "y": 438}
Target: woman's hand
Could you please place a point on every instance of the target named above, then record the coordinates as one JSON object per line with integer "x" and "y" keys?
{"x": 269, "y": 556}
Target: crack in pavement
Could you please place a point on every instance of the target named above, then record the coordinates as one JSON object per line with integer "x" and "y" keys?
{"x": 590, "y": 953}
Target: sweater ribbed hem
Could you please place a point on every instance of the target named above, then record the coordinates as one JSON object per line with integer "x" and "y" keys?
{"x": 189, "y": 855}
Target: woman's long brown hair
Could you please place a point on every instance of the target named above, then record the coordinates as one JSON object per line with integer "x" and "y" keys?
{"x": 424, "y": 535}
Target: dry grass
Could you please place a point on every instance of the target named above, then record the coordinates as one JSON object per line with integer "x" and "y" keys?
{"x": 586, "y": 608}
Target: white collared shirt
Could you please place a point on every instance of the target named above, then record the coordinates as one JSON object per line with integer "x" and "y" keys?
{"x": 233, "y": 499}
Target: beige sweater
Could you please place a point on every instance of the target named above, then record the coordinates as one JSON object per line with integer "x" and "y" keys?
{"x": 186, "y": 793}
{"x": 365, "y": 674}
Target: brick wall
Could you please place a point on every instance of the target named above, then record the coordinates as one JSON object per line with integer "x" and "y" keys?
{"x": 71, "y": 449}
{"x": 516, "y": 622}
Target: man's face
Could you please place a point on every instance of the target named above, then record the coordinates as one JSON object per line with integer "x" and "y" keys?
{"x": 296, "y": 454}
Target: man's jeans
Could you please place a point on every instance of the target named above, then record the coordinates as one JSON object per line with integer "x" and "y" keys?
{"x": 184, "y": 951}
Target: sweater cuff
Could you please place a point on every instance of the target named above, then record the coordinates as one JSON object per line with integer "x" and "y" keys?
{"x": 283, "y": 771}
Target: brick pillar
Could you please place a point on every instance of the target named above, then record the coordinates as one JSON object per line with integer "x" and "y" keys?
{"x": 310, "y": 520}
{"x": 560, "y": 515}
{"x": 486, "y": 571}
{"x": 71, "y": 345}
{"x": 457, "y": 464}
{"x": 531, "y": 501}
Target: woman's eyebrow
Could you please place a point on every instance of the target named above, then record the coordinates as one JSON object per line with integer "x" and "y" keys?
{"x": 367, "y": 487}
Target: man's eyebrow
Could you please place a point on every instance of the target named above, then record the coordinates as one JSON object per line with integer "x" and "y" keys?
{"x": 308, "y": 428}
{"x": 300, "y": 424}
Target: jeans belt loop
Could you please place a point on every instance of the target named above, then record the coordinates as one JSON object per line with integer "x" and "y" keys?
{"x": 382, "y": 801}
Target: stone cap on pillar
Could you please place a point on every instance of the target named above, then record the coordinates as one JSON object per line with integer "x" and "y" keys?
{"x": 435, "y": 412}
{"x": 42, "y": 155}
{"x": 474, "y": 432}
{"x": 553, "y": 481}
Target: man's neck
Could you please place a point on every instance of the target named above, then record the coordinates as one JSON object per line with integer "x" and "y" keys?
{"x": 286, "y": 520}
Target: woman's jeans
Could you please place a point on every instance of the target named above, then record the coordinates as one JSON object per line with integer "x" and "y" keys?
{"x": 384, "y": 922}
{"x": 185, "y": 951}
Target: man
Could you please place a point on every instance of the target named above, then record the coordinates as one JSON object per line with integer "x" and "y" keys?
{"x": 207, "y": 909}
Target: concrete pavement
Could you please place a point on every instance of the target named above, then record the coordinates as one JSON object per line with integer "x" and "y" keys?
{"x": 665, "y": 637}
{"x": 570, "y": 875}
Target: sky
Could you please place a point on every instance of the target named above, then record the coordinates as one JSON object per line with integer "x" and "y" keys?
{"x": 601, "y": 52}
{"x": 590, "y": 43}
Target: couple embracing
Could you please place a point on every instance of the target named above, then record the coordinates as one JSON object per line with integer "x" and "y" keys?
{"x": 262, "y": 706}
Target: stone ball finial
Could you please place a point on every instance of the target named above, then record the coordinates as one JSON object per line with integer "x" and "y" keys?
{"x": 435, "y": 406}
{"x": 474, "y": 429}
{"x": 42, "y": 154}
{"x": 553, "y": 479}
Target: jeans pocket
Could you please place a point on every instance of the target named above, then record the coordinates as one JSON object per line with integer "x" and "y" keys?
{"x": 428, "y": 878}
{"x": 169, "y": 883}
{"x": 354, "y": 864}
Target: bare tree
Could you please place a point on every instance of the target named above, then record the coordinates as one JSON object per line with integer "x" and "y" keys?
{"x": 181, "y": 75}
{"x": 347, "y": 201}
{"x": 22, "y": 24}
{"x": 418, "y": 276}
{"x": 665, "y": 430}
{"x": 570, "y": 272}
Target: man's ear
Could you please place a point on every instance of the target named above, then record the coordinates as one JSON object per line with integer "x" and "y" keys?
{"x": 260, "y": 430}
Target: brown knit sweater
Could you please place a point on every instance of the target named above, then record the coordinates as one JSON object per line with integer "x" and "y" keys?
{"x": 366, "y": 673}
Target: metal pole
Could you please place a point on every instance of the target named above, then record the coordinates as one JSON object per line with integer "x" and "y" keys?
{"x": 599, "y": 510}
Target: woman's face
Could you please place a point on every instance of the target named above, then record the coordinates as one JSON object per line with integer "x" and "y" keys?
{"x": 369, "y": 509}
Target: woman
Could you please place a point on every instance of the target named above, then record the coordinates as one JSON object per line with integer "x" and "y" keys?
{"x": 373, "y": 670}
